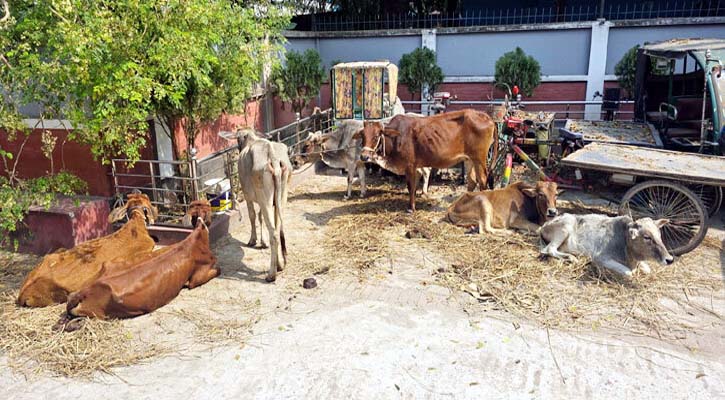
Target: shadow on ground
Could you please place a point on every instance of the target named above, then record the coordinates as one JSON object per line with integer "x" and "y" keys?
{"x": 230, "y": 259}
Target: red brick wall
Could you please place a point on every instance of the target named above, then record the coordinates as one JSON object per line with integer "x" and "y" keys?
{"x": 207, "y": 141}
{"x": 627, "y": 108}
{"x": 72, "y": 157}
{"x": 547, "y": 91}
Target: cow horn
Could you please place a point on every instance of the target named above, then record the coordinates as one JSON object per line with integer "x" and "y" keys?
{"x": 117, "y": 214}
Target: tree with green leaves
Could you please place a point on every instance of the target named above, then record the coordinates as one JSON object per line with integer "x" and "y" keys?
{"x": 419, "y": 68}
{"x": 299, "y": 80}
{"x": 515, "y": 68}
{"x": 626, "y": 68}
{"x": 110, "y": 66}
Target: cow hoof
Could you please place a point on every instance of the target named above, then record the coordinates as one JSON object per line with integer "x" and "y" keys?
{"x": 410, "y": 211}
{"x": 270, "y": 279}
{"x": 74, "y": 325}
{"x": 263, "y": 245}
{"x": 345, "y": 198}
{"x": 62, "y": 322}
{"x": 362, "y": 195}
{"x": 251, "y": 243}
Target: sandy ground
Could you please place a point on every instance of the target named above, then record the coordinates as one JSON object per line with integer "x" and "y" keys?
{"x": 392, "y": 335}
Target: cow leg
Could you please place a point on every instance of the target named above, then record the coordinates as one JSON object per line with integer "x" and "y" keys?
{"x": 267, "y": 211}
{"x": 410, "y": 176}
{"x": 614, "y": 265}
{"x": 350, "y": 177}
{"x": 484, "y": 222}
{"x": 361, "y": 173}
{"x": 252, "y": 221}
{"x": 552, "y": 248}
{"x": 202, "y": 276}
{"x": 555, "y": 234}
{"x": 525, "y": 225}
{"x": 481, "y": 175}
{"x": 644, "y": 267}
{"x": 262, "y": 244}
{"x": 425, "y": 174}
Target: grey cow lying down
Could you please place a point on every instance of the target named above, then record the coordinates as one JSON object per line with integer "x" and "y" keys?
{"x": 616, "y": 243}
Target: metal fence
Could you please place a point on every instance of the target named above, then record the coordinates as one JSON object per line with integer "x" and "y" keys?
{"x": 563, "y": 109}
{"x": 521, "y": 16}
{"x": 213, "y": 177}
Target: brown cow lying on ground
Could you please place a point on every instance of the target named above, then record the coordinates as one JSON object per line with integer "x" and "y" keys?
{"x": 519, "y": 206}
{"x": 153, "y": 282}
{"x": 67, "y": 271}
{"x": 440, "y": 141}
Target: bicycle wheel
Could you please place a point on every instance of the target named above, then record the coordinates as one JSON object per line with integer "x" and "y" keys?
{"x": 497, "y": 166}
{"x": 711, "y": 197}
{"x": 664, "y": 199}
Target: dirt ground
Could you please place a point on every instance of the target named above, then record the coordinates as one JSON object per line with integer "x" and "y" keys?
{"x": 390, "y": 332}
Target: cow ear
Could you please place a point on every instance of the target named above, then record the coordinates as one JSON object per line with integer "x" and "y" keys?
{"x": 531, "y": 192}
{"x": 154, "y": 214}
{"x": 662, "y": 222}
{"x": 117, "y": 214}
{"x": 391, "y": 132}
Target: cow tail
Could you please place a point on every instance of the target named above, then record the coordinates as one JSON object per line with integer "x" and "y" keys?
{"x": 492, "y": 162}
{"x": 278, "y": 172}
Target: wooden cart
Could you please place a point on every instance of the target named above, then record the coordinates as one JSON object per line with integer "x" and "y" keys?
{"x": 685, "y": 188}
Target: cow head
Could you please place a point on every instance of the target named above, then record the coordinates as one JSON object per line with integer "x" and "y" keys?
{"x": 243, "y": 136}
{"x": 311, "y": 148}
{"x": 199, "y": 210}
{"x": 544, "y": 194}
{"x": 644, "y": 241}
{"x": 136, "y": 202}
{"x": 373, "y": 139}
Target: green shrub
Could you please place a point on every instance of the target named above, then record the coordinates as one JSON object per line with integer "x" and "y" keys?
{"x": 17, "y": 197}
{"x": 626, "y": 69}
{"x": 419, "y": 68}
{"x": 516, "y": 68}
{"x": 299, "y": 80}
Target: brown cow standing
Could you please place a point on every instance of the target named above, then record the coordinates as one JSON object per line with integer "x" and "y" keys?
{"x": 438, "y": 141}
{"x": 67, "y": 271}
{"x": 519, "y": 206}
{"x": 153, "y": 282}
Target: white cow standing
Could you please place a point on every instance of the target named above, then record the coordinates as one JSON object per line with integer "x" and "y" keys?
{"x": 264, "y": 175}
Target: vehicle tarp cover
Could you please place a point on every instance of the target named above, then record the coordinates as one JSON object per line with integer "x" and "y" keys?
{"x": 359, "y": 87}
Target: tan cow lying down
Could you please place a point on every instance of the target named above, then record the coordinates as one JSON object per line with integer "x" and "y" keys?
{"x": 67, "y": 271}
{"x": 152, "y": 282}
{"x": 519, "y": 206}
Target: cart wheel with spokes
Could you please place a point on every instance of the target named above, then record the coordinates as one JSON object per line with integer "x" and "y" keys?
{"x": 664, "y": 199}
{"x": 711, "y": 197}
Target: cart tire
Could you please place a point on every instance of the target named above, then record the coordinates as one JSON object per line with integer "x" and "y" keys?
{"x": 664, "y": 199}
{"x": 711, "y": 197}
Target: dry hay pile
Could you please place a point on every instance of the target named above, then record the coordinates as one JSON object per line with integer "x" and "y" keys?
{"x": 358, "y": 237}
{"x": 508, "y": 271}
{"x": 203, "y": 316}
{"x": 31, "y": 346}
{"x": 213, "y": 320}
{"x": 29, "y": 343}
